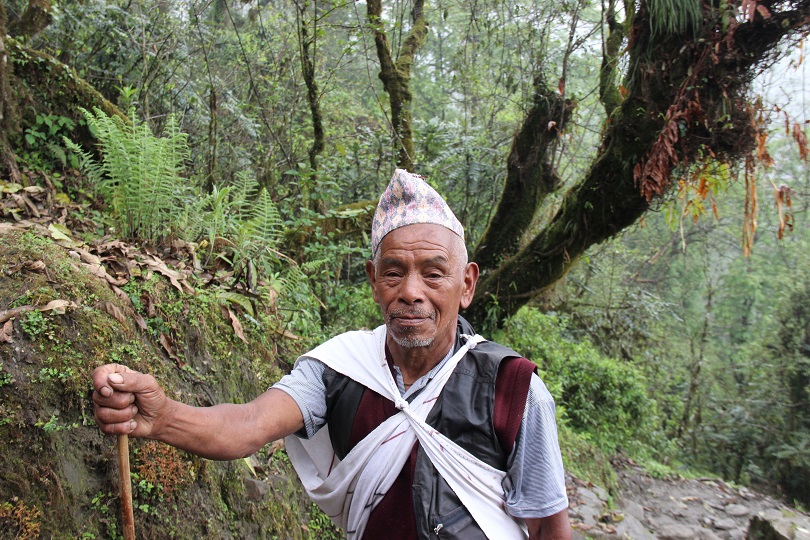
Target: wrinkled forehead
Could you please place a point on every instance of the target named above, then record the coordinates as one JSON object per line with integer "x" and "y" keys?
{"x": 425, "y": 241}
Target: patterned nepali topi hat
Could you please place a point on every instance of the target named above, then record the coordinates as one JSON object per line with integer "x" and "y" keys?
{"x": 408, "y": 199}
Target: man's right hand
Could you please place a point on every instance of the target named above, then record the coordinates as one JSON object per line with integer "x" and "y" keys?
{"x": 127, "y": 402}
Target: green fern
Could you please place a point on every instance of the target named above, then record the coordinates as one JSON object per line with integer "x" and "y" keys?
{"x": 92, "y": 169}
{"x": 265, "y": 225}
{"x": 245, "y": 188}
{"x": 674, "y": 17}
{"x": 140, "y": 175}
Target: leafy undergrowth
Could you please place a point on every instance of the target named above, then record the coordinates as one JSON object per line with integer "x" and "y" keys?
{"x": 68, "y": 305}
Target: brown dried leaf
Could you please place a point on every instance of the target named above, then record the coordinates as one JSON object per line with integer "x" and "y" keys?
{"x": 801, "y": 140}
{"x": 762, "y": 150}
{"x": 289, "y": 335}
{"x": 139, "y": 320}
{"x": 237, "y": 326}
{"x": 112, "y": 310}
{"x": 11, "y": 313}
{"x": 174, "y": 276}
{"x": 783, "y": 203}
{"x": 59, "y": 306}
{"x": 168, "y": 346}
{"x": 275, "y": 446}
{"x": 6, "y": 332}
{"x": 751, "y": 207}
{"x": 31, "y": 266}
{"x": 29, "y": 204}
{"x": 99, "y": 271}
{"x": 88, "y": 257}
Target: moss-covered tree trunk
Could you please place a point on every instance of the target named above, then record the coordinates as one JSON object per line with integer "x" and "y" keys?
{"x": 530, "y": 176}
{"x": 308, "y": 46}
{"x": 45, "y": 83}
{"x": 396, "y": 74}
{"x": 36, "y": 17}
{"x": 8, "y": 105}
{"x": 684, "y": 97}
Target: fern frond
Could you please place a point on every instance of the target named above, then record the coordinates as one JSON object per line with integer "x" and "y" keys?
{"x": 141, "y": 176}
{"x": 311, "y": 266}
{"x": 265, "y": 226}
{"x": 674, "y": 17}
{"x": 91, "y": 168}
{"x": 245, "y": 188}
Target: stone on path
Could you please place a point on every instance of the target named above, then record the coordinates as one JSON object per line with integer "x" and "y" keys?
{"x": 737, "y": 510}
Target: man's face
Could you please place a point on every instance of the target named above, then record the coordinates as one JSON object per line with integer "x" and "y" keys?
{"x": 421, "y": 281}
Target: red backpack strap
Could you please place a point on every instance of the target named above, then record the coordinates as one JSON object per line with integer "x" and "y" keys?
{"x": 511, "y": 391}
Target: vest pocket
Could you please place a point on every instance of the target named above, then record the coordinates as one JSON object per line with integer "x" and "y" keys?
{"x": 457, "y": 524}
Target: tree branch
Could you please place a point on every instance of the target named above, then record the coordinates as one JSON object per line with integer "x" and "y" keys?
{"x": 396, "y": 76}
{"x": 36, "y": 17}
{"x": 530, "y": 176}
{"x": 707, "y": 77}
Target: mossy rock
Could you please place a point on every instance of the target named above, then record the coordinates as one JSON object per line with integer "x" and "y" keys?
{"x": 58, "y": 472}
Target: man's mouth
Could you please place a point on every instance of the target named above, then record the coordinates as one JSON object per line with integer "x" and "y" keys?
{"x": 410, "y": 318}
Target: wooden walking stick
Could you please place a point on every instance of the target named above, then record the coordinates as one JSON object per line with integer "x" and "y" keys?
{"x": 127, "y": 517}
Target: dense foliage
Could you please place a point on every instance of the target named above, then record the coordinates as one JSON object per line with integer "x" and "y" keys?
{"x": 598, "y": 395}
{"x": 283, "y": 119}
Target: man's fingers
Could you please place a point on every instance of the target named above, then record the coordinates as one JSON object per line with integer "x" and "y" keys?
{"x": 123, "y": 428}
{"x": 101, "y": 375}
{"x": 115, "y": 400}
{"x": 109, "y": 415}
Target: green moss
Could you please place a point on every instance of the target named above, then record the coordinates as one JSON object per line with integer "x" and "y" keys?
{"x": 55, "y": 457}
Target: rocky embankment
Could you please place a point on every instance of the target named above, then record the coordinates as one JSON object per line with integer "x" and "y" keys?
{"x": 647, "y": 508}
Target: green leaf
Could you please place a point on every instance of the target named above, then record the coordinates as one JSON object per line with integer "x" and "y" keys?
{"x": 238, "y": 299}
{"x": 59, "y": 232}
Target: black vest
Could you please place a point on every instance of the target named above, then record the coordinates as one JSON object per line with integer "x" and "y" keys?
{"x": 464, "y": 413}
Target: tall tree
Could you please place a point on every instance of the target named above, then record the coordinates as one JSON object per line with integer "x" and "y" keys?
{"x": 689, "y": 68}
{"x": 395, "y": 74}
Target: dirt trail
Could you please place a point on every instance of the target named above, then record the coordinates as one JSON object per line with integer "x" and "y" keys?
{"x": 675, "y": 509}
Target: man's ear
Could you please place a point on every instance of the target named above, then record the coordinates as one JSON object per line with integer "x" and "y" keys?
{"x": 372, "y": 278}
{"x": 471, "y": 273}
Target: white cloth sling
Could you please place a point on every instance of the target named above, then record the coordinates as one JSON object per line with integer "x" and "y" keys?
{"x": 348, "y": 490}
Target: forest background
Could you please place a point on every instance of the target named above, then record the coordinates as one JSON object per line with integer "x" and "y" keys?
{"x": 632, "y": 178}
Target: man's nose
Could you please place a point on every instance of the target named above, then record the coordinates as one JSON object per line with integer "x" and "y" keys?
{"x": 410, "y": 290}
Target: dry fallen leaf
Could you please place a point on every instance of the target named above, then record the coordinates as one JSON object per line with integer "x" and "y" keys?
{"x": 6, "y": 332}
{"x": 139, "y": 320}
{"x": 237, "y": 326}
{"x": 59, "y": 306}
{"x": 174, "y": 276}
{"x": 112, "y": 310}
{"x": 168, "y": 346}
{"x": 275, "y": 446}
{"x": 88, "y": 257}
{"x": 32, "y": 266}
{"x": 99, "y": 271}
{"x": 11, "y": 313}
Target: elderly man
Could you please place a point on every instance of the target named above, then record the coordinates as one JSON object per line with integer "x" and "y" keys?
{"x": 432, "y": 431}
